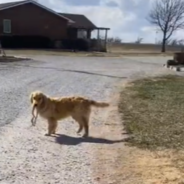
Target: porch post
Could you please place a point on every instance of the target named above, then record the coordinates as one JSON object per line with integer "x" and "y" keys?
{"x": 98, "y": 34}
{"x": 88, "y": 34}
{"x": 98, "y": 38}
{"x": 106, "y": 31}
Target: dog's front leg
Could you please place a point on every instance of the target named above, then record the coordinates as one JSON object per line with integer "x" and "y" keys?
{"x": 52, "y": 125}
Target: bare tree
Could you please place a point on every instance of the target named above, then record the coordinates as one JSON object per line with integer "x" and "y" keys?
{"x": 168, "y": 16}
{"x": 139, "y": 40}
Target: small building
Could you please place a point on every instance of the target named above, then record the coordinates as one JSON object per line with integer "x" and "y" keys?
{"x": 30, "y": 24}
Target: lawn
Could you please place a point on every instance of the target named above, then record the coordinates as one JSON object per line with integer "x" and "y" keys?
{"x": 152, "y": 111}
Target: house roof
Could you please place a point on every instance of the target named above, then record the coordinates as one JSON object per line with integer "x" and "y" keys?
{"x": 80, "y": 21}
{"x": 4, "y": 6}
{"x": 75, "y": 20}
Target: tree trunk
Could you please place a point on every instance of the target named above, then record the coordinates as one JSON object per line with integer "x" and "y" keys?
{"x": 163, "y": 43}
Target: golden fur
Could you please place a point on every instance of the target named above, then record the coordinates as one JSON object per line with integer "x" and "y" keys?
{"x": 54, "y": 109}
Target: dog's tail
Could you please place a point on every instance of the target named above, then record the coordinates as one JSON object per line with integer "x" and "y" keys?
{"x": 99, "y": 104}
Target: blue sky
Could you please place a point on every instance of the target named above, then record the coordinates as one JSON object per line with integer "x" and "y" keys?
{"x": 127, "y": 19}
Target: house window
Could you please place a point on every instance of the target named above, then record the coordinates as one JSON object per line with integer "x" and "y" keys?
{"x": 81, "y": 33}
{"x": 7, "y": 26}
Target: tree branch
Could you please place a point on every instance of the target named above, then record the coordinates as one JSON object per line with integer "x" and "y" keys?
{"x": 168, "y": 15}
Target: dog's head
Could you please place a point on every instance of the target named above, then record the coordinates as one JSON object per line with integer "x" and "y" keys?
{"x": 37, "y": 98}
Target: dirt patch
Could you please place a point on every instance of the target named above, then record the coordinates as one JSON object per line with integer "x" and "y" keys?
{"x": 146, "y": 167}
{"x": 127, "y": 165}
{"x": 107, "y": 156}
{"x": 122, "y": 163}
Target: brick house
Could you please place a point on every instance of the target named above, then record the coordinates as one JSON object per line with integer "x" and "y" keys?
{"x": 29, "y": 18}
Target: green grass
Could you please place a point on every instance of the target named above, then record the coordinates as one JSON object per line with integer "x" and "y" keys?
{"x": 152, "y": 112}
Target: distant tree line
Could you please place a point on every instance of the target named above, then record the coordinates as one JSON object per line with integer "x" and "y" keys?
{"x": 119, "y": 40}
{"x": 172, "y": 42}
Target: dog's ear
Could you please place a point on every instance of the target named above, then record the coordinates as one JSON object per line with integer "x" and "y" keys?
{"x": 31, "y": 97}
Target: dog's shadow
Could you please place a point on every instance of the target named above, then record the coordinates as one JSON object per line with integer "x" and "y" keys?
{"x": 68, "y": 140}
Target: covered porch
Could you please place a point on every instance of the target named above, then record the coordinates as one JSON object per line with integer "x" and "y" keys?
{"x": 96, "y": 43}
{"x": 82, "y": 29}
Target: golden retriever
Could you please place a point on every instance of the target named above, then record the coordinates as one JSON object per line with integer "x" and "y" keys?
{"x": 54, "y": 109}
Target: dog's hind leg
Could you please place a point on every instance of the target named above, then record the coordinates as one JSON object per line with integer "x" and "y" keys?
{"x": 85, "y": 119}
{"x": 79, "y": 121}
{"x": 80, "y": 128}
{"x": 86, "y": 126}
{"x": 82, "y": 117}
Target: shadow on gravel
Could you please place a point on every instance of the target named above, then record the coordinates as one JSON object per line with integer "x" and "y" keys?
{"x": 66, "y": 70}
{"x": 68, "y": 140}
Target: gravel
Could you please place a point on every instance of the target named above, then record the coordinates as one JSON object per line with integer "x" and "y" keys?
{"x": 27, "y": 156}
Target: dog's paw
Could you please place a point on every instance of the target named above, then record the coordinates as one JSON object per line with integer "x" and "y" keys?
{"x": 47, "y": 134}
{"x": 78, "y": 133}
{"x": 33, "y": 124}
{"x": 85, "y": 136}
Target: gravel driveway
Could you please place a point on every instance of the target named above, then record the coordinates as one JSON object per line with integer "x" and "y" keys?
{"x": 26, "y": 155}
